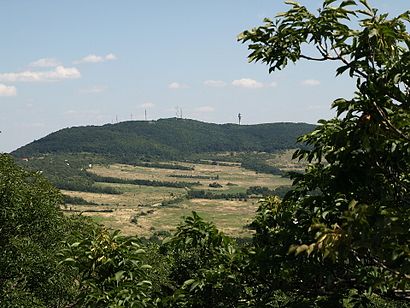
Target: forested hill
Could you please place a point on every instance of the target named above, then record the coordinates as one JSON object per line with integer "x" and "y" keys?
{"x": 167, "y": 138}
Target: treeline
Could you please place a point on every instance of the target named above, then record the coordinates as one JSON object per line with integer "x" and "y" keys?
{"x": 106, "y": 179}
{"x": 263, "y": 191}
{"x": 163, "y": 166}
{"x": 86, "y": 186}
{"x": 206, "y": 194}
{"x": 189, "y": 176}
{"x": 261, "y": 166}
{"x": 76, "y": 200}
{"x": 258, "y": 191}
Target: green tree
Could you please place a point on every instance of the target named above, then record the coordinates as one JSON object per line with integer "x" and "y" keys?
{"x": 111, "y": 271}
{"x": 350, "y": 211}
{"x": 205, "y": 266}
{"x": 31, "y": 229}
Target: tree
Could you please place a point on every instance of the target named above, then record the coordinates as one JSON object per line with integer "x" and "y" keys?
{"x": 205, "y": 266}
{"x": 350, "y": 210}
{"x": 111, "y": 272}
{"x": 31, "y": 228}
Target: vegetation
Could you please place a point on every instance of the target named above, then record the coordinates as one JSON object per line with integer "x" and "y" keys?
{"x": 32, "y": 230}
{"x": 163, "y": 166}
{"x": 259, "y": 191}
{"x": 205, "y": 194}
{"x": 106, "y": 179}
{"x": 262, "y": 191}
{"x": 110, "y": 270}
{"x": 86, "y": 185}
{"x": 68, "y": 172}
{"x": 164, "y": 139}
{"x": 347, "y": 217}
{"x": 76, "y": 200}
{"x": 189, "y": 176}
{"x": 339, "y": 237}
{"x": 259, "y": 165}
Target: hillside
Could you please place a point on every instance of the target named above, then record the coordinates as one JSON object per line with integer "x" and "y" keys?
{"x": 166, "y": 138}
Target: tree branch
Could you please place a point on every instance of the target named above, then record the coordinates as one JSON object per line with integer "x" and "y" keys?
{"x": 325, "y": 58}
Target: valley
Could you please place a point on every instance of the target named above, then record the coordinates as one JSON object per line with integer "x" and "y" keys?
{"x": 155, "y": 210}
{"x": 153, "y": 173}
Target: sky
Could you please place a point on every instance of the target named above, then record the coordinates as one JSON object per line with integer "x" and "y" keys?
{"x": 75, "y": 63}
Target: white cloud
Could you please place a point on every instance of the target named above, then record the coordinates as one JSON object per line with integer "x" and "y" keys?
{"x": 93, "y": 89}
{"x": 45, "y": 62}
{"x": 215, "y": 83}
{"x": 59, "y": 73}
{"x": 273, "y": 84}
{"x": 310, "y": 82}
{"x": 110, "y": 57}
{"x": 247, "y": 83}
{"x": 92, "y": 58}
{"x": 7, "y": 90}
{"x": 205, "y": 109}
{"x": 147, "y": 105}
{"x": 176, "y": 85}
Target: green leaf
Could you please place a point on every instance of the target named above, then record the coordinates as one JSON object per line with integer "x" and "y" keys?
{"x": 118, "y": 275}
{"x": 189, "y": 282}
{"x": 347, "y": 3}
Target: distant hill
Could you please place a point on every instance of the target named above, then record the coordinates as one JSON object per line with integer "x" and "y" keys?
{"x": 166, "y": 139}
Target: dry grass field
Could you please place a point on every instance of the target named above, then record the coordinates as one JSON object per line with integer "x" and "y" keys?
{"x": 139, "y": 210}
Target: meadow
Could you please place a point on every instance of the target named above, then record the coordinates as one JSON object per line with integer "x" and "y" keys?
{"x": 149, "y": 210}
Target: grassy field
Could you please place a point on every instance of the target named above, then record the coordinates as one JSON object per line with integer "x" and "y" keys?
{"x": 139, "y": 210}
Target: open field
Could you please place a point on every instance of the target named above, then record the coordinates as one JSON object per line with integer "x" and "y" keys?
{"x": 139, "y": 209}
{"x": 230, "y": 217}
{"x": 227, "y": 174}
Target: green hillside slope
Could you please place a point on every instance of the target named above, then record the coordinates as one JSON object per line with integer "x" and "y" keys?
{"x": 166, "y": 138}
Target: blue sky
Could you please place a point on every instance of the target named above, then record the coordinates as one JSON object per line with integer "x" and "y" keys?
{"x": 71, "y": 63}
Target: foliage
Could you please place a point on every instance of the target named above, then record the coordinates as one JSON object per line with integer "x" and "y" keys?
{"x": 68, "y": 171}
{"x": 206, "y": 194}
{"x": 215, "y": 185}
{"x": 165, "y": 139}
{"x": 29, "y": 225}
{"x": 163, "y": 166}
{"x": 350, "y": 210}
{"x": 191, "y": 176}
{"x": 259, "y": 165}
{"x": 205, "y": 266}
{"x": 86, "y": 184}
{"x": 106, "y": 179}
{"x": 31, "y": 230}
{"x": 110, "y": 270}
{"x": 339, "y": 238}
{"x": 262, "y": 191}
{"x": 76, "y": 200}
